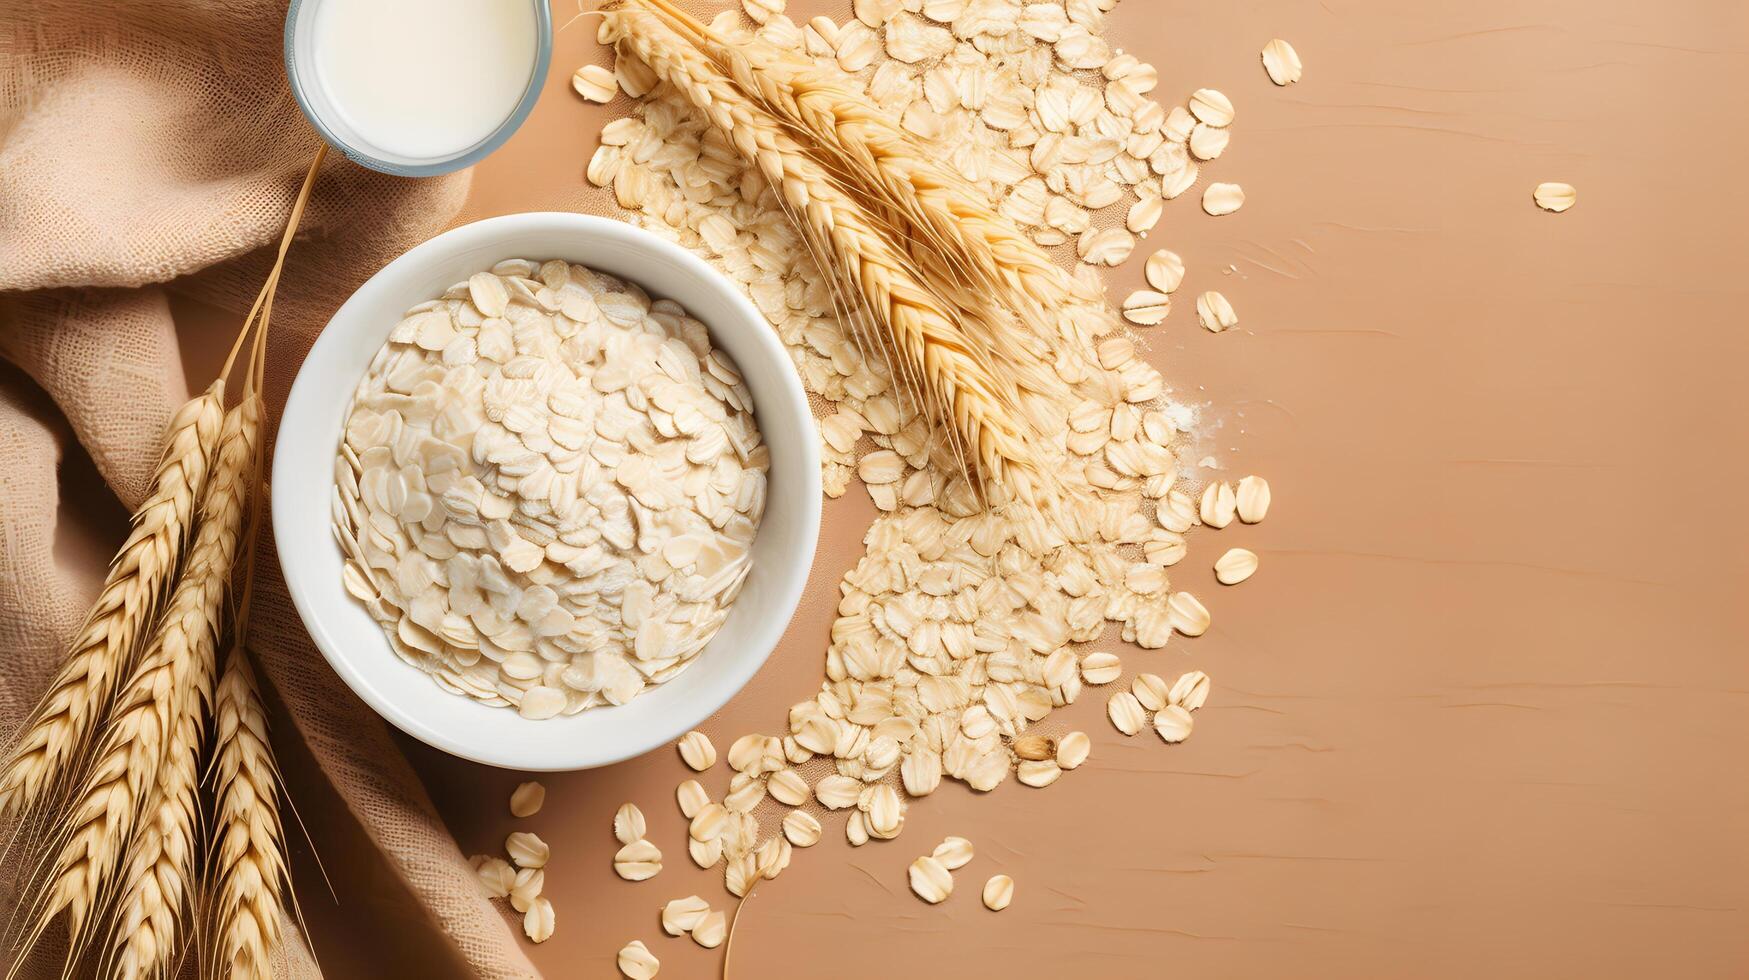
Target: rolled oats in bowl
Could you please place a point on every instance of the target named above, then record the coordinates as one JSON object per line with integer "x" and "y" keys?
{"x": 548, "y": 487}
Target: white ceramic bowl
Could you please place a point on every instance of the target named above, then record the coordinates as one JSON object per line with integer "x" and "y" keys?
{"x": 303, "y": 486}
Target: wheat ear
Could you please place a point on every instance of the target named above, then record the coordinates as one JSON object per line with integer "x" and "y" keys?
{"x": 159, "y": 865}
{"x": 976, "y": 257}
{"x": 925, "y": 332}
{"x": 248, "y": 853}
{"x": 102, "y": 653}
{"x": 177, "y": 666}
{"x": 946, "y": 209}
{"x": 248, "y": 865}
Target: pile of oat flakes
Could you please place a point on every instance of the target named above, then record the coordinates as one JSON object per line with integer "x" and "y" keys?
{"x": 962, "y": 627}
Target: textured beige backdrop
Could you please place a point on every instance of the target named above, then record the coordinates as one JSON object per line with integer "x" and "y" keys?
{"x": 1483, "y": 711}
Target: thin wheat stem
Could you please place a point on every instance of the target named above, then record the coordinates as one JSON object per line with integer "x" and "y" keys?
{"x": 265, "y": 296}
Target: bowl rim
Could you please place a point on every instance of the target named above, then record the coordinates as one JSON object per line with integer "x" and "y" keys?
{"x": 537, "y": 80}
{"x": 307, "y": 396}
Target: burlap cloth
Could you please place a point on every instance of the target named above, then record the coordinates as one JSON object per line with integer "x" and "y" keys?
{"x": 151, "y": 150}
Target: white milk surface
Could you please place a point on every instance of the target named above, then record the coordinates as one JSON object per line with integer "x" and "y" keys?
{"x": 424, "y": 79}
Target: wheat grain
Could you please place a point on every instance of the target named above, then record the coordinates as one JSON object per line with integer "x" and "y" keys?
{"x": 179, "y": 659}
{"x": 160, "y": 863}
{"x": 248, "y": 847}
{"x": 925, "y": 334}
{"x": 102, "y": 653}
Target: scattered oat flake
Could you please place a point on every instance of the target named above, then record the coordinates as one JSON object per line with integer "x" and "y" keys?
{"x": 705, "y": 853}
{"x": 1105, "y": 246}
{"x": 595, "y": 83}
{"x": 636, "y": 961}
{"x": 1178, "y": 124}
{"x": 954, "y": 853}
{"x": 771, "y": 857}
{"x": 1253, "y": 499}
{"x": 1100, "y": 667}
{"x": 1175, "y": 184}
{"x": 526, "y": 849}
{"x": 801, "y": 828}
{"x": 628, "y": 824}
{"x": 1144, "y": 214}
{"x": 1218, "y": 505}
{"x": 1164, "y": 270}
{"x": 1212, "y": 107}
{"x": 1038, "y": 774}
{"x": 1173, "y": 723}
{"x": 682, "y": 915}
{"x": 1125, "y": 712}
{"x": 527, "y": 887}
{"x": 740, "y": 875}
{"x": 1146, "y": 308}
{"x": 708, "y": 822}
{"x": 998, "y": 892}
{"x": 931, "y": 880}
{"x": 1151, "y": 690}
{"x": 1281, "y": 61}
{"x": 1237, "y": 565}
{"x": 1215, "y": 313}
{"x": 1073, "y": 750}
{"x": 710, "y": 930}
{"x": 692, "y": 798}
{"x": 697, "y": 751}
{"x": 1555, "y": 196}
{"x": 1191, "y": 691}
{"x": 638, "y": 861}
{"x": 526, "y": 799}
{"x": 1186, "y": 614}
{"x": 743, "y": 798}
{"x": 787, "y": 786}
{"x": 1221, "y": 198}
{"x": 537, "y": 922}
{"x": 762, "y": 10}
{"x": 1208, "y": 142}
{"x": 835, "y": 792}
{"x": 747, "y": 753}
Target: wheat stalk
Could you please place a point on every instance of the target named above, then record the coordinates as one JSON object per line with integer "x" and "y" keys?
{"x": 924, "y": 330}
{"x": 171, "y": 681}
{"x": 248, "y": 852}
{"x": 102, "y": 653}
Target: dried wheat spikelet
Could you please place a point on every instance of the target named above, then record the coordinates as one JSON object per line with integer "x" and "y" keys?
{"x": 103, "y": 651}
{"x": 930, "y": 342}
{"x": 948, "y": 212}
{"x": 248, "y": 846}
{"x": 107, "y": 779}
{"x": 247, "y": 851}
{"x": 159, "y": 865}
{"x": 177, "y": 666}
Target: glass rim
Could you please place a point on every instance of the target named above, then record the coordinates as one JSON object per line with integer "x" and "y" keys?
{"x": 474, "y": 154}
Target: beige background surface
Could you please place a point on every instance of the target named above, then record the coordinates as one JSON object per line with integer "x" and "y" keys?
{"x": 1484, "y": 709}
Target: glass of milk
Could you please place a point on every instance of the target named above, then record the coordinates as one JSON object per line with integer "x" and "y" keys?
{"x": 417, "y": 87}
